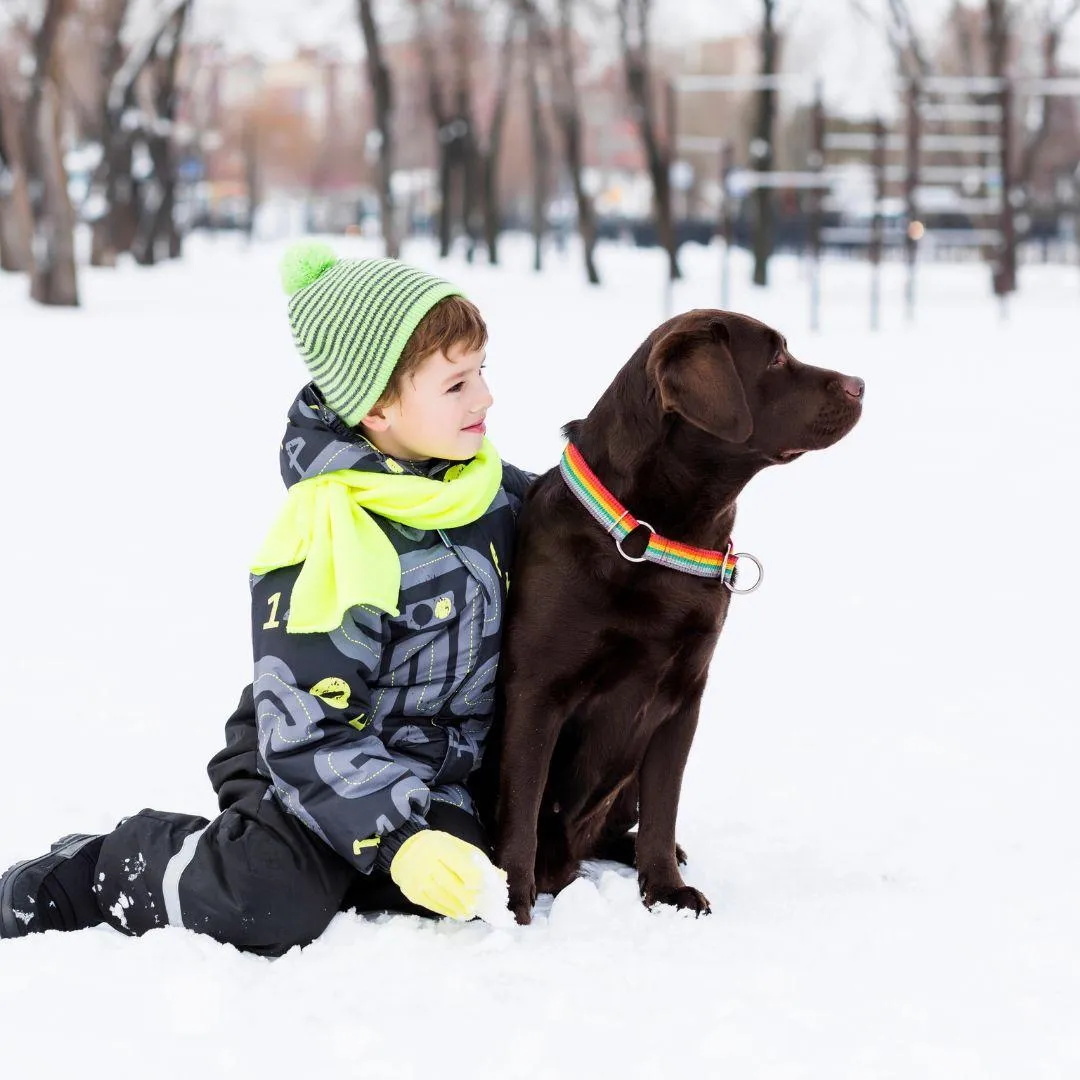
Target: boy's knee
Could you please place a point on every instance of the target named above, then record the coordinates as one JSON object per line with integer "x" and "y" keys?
{"x": 269, "y": 922}
{"x": 239, "y": 880}
{"x": 253, "y": 890}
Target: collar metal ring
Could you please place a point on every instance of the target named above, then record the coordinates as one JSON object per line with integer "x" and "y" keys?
{"x": 631, "y": 558}
{"x": 740, "y": 555}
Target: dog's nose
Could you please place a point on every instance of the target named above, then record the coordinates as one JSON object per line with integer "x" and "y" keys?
{"x": 852, "y": 386}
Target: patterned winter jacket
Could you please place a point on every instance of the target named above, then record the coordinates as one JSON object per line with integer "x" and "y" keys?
{"x": 361, "y": 728}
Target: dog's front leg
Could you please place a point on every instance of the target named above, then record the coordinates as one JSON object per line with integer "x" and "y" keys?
{"x": 528, "y": 743}
{"x": 660, "y": 784}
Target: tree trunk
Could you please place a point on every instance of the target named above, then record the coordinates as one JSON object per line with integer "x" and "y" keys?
{"x": 253, "y": 174}
{"x": 998, "y": 33}
{"x": 639, "y": 86}
{"x": 102, "y": 246}
{"x": 568, "y": 110}
{"x": 464, "y": 35}
{"x": 54, "y": 280}
{"x": 446, "y": 197}
{"x": 469, "y": 166}
{"x": 489, "y": 157}
{"x": 762, "y": 149}
{"x": 157, "y": 224}
{"x": 16, "y": 215}
{"x": 541, "y": 153}
{"x": 472, "y": 191}
{"x": 382, "y": 95}
{"x": 115, "y": 232}
{"x": 132, "y": 205}
{"x": 447, "y": 130}
{"x": 167, "y": 227}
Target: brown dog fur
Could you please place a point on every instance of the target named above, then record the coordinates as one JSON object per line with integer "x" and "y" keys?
{"x": 604, "y": 661}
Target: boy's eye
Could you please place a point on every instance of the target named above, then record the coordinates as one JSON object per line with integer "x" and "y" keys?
{"x": 459, "y": 386}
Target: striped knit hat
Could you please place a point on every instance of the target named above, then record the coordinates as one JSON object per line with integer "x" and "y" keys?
{"x": 351, "y": 318}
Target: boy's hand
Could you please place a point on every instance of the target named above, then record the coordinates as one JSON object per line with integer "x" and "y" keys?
{"x": 442, "y": 873}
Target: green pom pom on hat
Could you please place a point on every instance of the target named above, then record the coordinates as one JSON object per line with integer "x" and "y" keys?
{"x": 351, "y": 320}
{"x": 304, "y": 262}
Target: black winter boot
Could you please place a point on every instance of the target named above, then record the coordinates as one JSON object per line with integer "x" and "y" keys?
{"x": 53, "y": 891}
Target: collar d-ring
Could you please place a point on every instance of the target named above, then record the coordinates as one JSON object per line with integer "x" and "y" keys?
{"x": 740, "y": 556}
{"x": 632, "y": 558}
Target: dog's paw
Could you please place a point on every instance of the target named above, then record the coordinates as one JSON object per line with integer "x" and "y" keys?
{"x": 676, "y": 896}
{"x": 521, "y": 900}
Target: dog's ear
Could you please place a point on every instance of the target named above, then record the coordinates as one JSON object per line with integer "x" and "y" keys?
{"x": 695, "y": 376}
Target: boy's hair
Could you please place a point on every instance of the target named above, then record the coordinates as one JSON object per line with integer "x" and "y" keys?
{"x": 452, "y": 321}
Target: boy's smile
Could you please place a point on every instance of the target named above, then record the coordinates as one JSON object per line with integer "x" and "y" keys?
{"x": 440, "y": 412}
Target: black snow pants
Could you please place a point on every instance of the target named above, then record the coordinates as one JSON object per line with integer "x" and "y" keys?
{"x": 255, "y": 877}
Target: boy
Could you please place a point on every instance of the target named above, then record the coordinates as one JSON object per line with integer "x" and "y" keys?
{"x": 377, "y": 604}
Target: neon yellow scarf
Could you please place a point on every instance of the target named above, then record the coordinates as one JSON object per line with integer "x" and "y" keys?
{"x": 347, "y": 558}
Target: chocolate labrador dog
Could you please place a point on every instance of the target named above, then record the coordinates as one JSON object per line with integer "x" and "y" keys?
{"x": 613, "y": 621}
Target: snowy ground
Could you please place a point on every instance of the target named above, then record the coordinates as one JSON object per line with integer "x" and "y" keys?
{"x": 882, "y": 801}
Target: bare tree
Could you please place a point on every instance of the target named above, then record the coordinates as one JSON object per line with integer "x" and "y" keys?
{"x": 903, "y": 37}
{"x": 911, "y": 61}
{"x": 634, "y": 38}
{"x": 489, "y": 152}
{"x": 157, "y": 221}
{"x": 450, "y": 130}
{"x": 909, "y": 47}
{"x": 568, "y": 115}
{"x": 1053, "y": 25}
{"x": 383, "y": 97}
{"x": 16, "y": 215}
{"x": 128, "y": 122}
{"x": 541, "y": 148}
{"x": 998, "y": 41}
{"x": 465, "y": 36}
{"x": 53, "y": 278}
{"x": 558, "y": 49}
{"x": 112, "y": 17}
{"x": 966, "y": 39}
{"x": 761, "y": 146}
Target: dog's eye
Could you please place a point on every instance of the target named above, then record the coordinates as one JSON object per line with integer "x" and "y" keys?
{"x": 779, "y": 360}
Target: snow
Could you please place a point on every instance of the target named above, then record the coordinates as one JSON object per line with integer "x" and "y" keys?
{"x": 881, "y": 802}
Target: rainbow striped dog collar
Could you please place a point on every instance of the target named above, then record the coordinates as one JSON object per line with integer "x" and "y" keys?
{"x": 619, "y": 522}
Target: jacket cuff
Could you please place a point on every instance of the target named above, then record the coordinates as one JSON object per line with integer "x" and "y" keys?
{"x": 389, "y": 844}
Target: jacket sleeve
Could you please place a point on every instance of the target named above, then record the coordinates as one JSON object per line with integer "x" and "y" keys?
{"x": 516, "y": 481}
{"x": 313, "y": 704}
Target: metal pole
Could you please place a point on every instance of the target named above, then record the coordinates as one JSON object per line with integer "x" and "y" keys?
{"x": 727, "y": 159}
{"x": 817, "y": 165}
{"x": 911, "y": 184}
{"x": 672, "y": 143}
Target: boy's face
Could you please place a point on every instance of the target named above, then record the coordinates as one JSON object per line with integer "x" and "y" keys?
{"x": 440, "y": 411}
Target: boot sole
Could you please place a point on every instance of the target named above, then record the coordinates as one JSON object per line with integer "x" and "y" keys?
{"x": 10, "y": 926}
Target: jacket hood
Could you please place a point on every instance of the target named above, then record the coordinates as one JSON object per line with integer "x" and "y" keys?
{"x": 318, "y": 441}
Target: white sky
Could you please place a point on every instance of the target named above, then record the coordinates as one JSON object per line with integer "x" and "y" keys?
{"x": 881, "y": 801}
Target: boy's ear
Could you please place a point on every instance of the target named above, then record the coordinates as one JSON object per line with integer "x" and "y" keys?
{"x": 376, "y": 420}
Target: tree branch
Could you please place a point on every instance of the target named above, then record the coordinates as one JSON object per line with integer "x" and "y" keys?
{"x": 123, "y": 85}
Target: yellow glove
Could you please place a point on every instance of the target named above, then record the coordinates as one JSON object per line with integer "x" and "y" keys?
{"x": 440, "y": 872}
